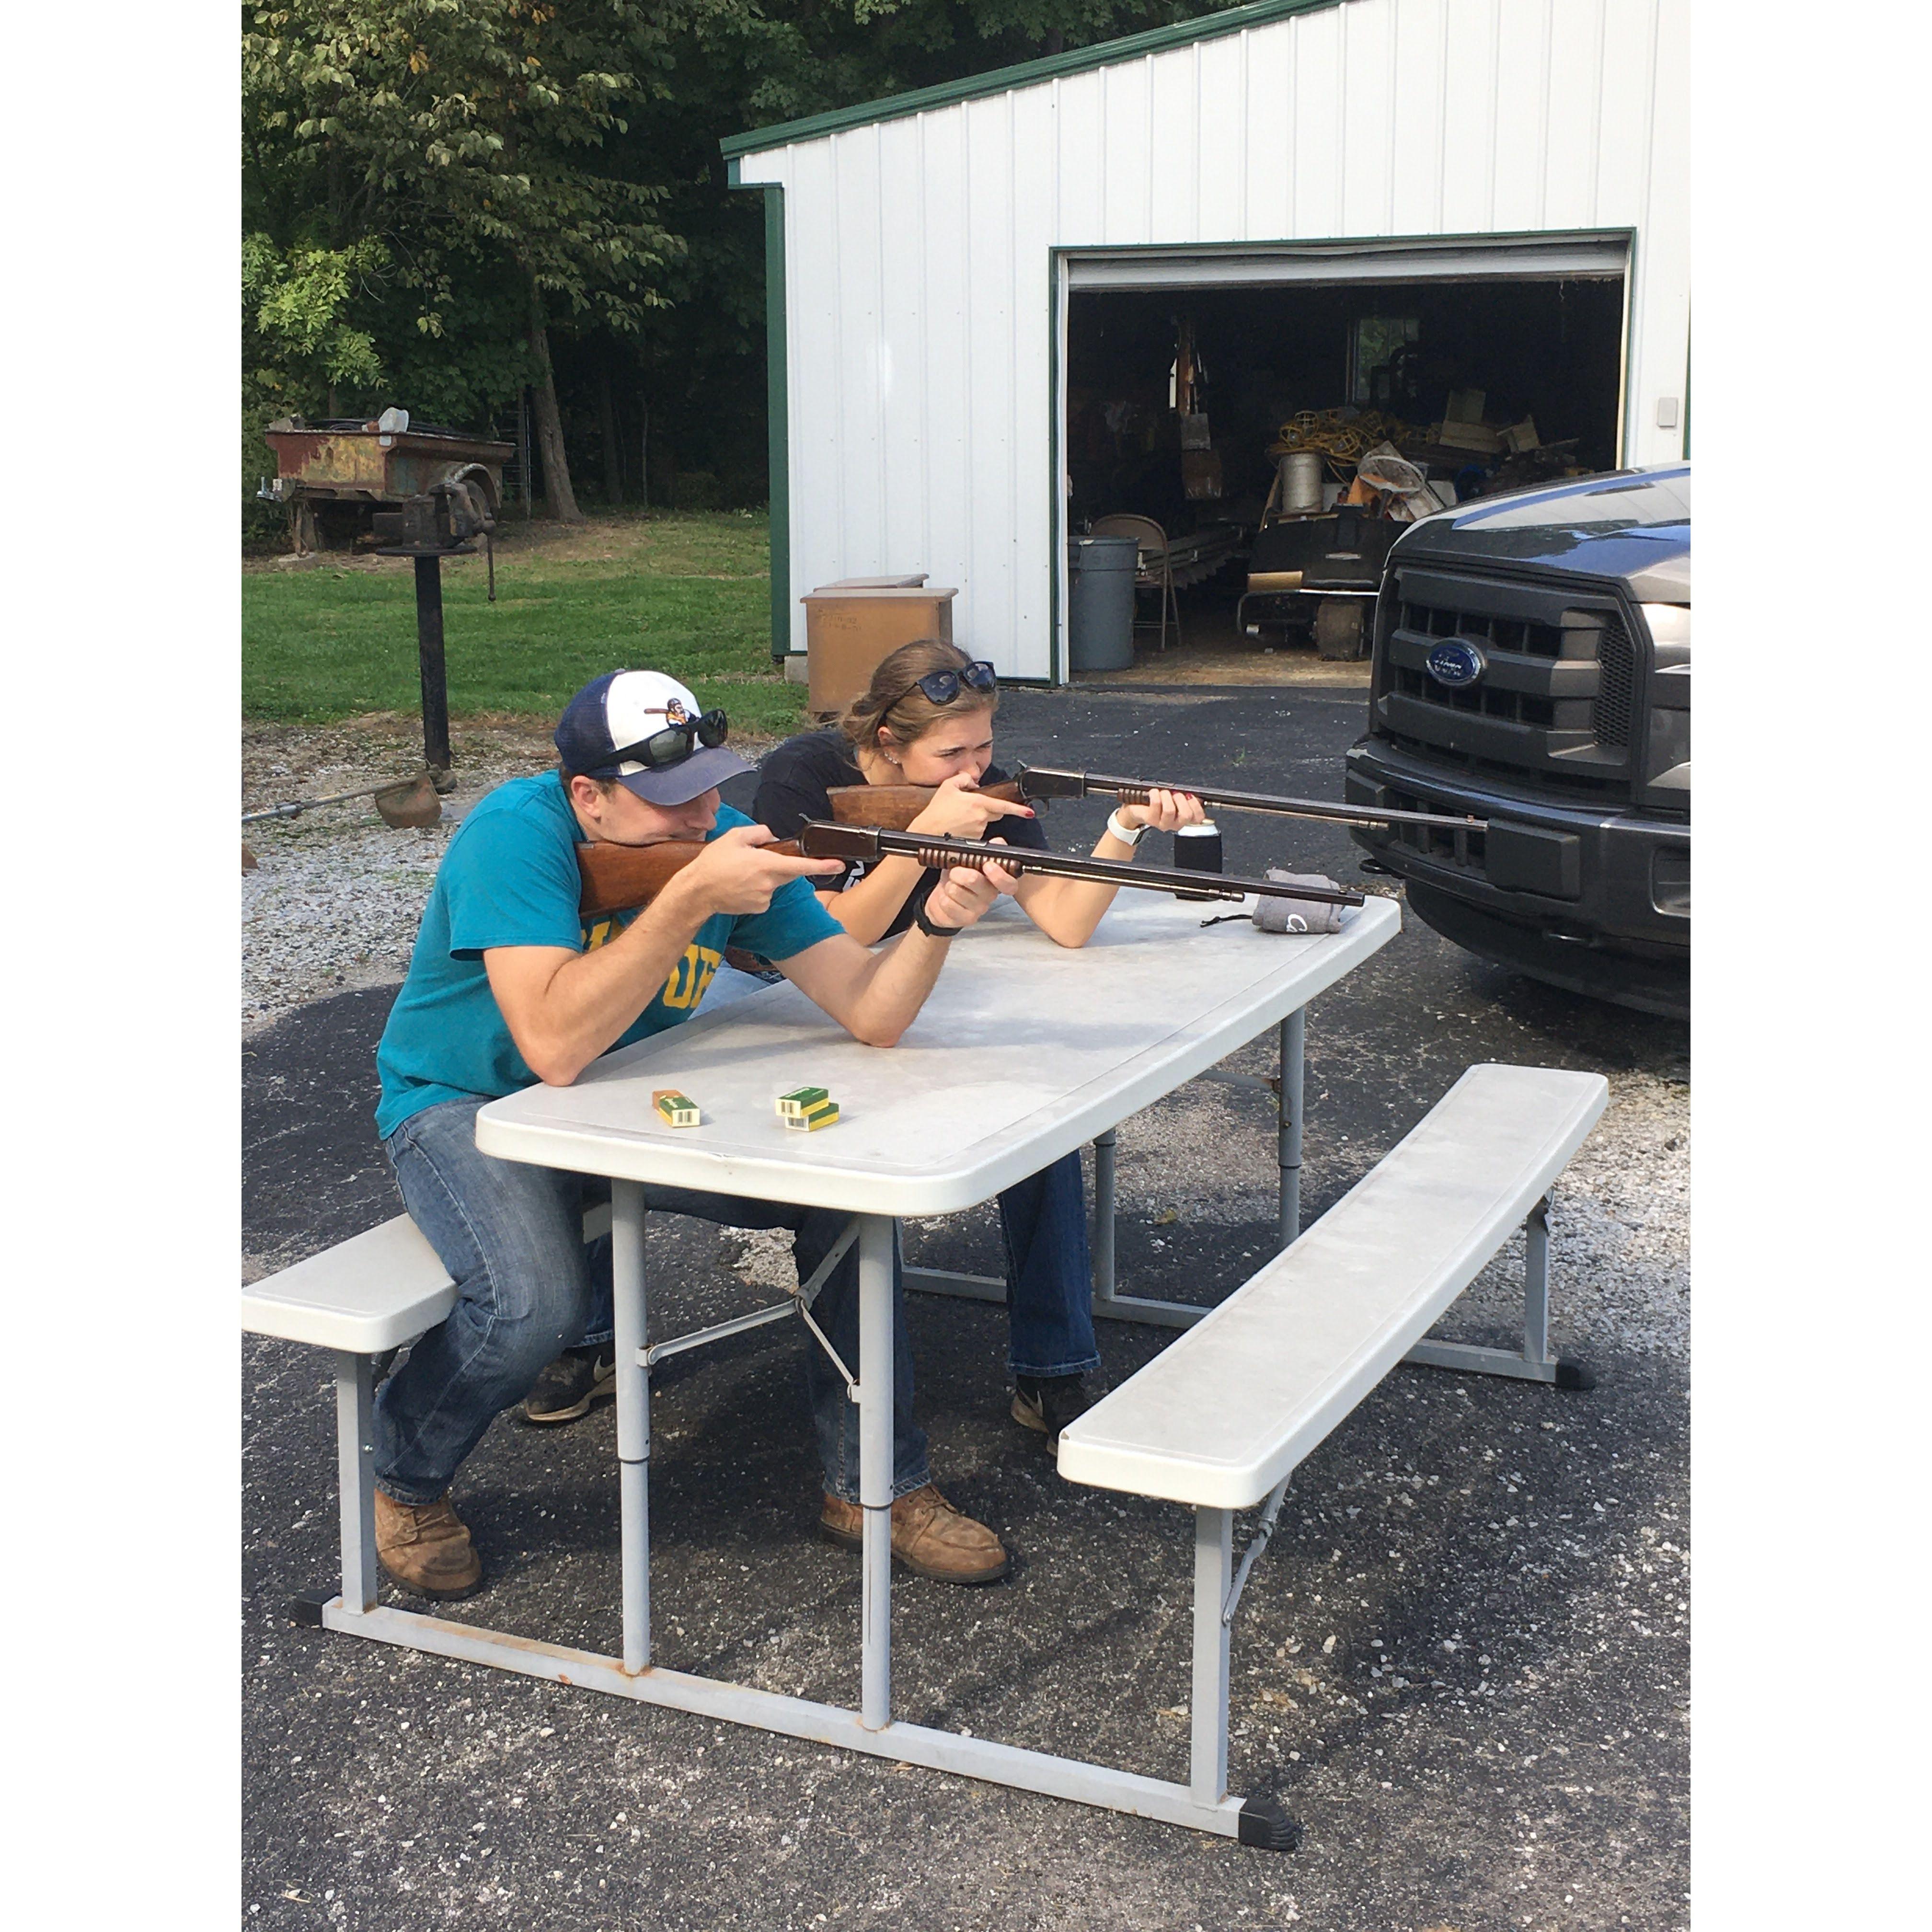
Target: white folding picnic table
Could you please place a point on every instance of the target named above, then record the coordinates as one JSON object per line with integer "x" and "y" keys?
{"x": 1024, "y": 1050}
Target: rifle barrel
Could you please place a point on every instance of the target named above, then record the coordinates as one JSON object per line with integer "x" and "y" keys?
{"x": 1038, "y": 781}
{"x": 821, "y": 839}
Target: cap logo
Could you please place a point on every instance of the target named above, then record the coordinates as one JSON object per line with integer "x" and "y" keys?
{"x": 675, "y": 711}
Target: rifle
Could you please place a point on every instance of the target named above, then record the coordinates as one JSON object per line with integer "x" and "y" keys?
{"x": 822, "y": 839}
{"x": 614, "y": 878}
{"x": 893, "y": 808}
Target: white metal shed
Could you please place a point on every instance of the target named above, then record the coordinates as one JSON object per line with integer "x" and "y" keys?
{"x": 921, "y": 250}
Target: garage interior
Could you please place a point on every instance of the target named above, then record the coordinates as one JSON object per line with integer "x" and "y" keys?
{"x": 1186, "y": 405}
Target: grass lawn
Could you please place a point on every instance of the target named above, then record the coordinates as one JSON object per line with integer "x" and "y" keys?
{"x": 685, "y": 592}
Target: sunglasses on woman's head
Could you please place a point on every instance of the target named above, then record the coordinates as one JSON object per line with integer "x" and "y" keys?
{"x": 943, "y": 686}
{"x": 674, "y": 743}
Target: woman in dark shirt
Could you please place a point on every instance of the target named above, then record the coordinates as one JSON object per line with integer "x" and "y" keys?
{"x": 927, "y": 719}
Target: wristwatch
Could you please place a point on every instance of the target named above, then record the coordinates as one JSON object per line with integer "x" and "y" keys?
{"x": 1128, "y": 835}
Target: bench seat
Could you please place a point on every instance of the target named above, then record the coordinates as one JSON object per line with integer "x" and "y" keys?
{"x": 368, "y": 1294}
{"x": 373, "y": 1291}
{"x": 1226, "y": 1412}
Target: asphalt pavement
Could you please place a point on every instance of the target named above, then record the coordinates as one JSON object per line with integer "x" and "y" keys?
{"x": 1462, "y": 1664}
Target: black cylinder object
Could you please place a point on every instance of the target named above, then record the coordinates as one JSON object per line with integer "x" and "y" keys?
{"x": 429, "y": 646}
{"x": 1197, "y": 848}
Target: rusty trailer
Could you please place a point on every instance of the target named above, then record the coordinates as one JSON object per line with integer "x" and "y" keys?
{"x": 333, "y": 476}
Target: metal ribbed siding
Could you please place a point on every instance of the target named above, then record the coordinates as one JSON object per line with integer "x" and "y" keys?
{"x": 920, "y": 314}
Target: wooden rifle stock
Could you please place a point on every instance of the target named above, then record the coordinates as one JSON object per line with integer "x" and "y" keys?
{"x": 615, "y": 878}
{"x": 821, "y": 839}
{"x": 893, "y": 808}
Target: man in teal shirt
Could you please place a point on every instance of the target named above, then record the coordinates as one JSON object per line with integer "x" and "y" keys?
{"x": 507, "y": 987}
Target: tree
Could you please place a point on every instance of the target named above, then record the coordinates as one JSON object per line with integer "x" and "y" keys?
{"x": 472, "y": 135}
{"x": 543, "y": 179}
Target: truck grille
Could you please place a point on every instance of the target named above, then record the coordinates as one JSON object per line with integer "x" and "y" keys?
{"x": 1559, "y": 686}
{"x": 1616, "y": 673}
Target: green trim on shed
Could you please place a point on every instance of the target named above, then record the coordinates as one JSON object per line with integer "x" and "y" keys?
{"x": 1026, "y": 73}
{"x": 778, "y": 424}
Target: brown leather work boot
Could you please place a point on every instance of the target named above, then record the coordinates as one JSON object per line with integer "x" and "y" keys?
{"x": 426, "y": 1550}
{"x": 930, "y": 1537}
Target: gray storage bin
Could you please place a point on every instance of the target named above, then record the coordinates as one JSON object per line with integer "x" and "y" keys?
{"x": 1100, "y": 609}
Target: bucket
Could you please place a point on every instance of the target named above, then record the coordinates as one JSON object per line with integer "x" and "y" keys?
{"x": 1301, "y": 483}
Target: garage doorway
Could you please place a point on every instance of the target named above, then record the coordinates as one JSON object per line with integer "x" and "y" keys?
{"x": 1487, "y": 364}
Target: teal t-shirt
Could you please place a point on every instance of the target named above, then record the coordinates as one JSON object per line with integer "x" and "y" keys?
{"x": 510, "y": 878}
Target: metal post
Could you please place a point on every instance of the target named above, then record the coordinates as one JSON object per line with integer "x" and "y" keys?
{"x": 1536, "y": 1283}
{"x": 429, "y": 651}
{"x": 1288, "y": 1139}
{"x": 1207, "y": 1755}
{"x": 523, "y": 448}
{"x": 634, "y": 1418}
{"x": 1103, "y": 1216}
{"x": 355, "y": 1450}
{"x": 876, "y": 1234}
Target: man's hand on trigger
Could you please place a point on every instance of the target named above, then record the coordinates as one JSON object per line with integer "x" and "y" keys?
{"x": 735, "y": 874}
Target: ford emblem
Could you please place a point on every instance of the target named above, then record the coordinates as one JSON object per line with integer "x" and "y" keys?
{"x": 1455, "y": 663}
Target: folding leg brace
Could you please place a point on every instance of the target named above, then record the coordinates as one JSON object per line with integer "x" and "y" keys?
{"x": 1535, "y": 1363}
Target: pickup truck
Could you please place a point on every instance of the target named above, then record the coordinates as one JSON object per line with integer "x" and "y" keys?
{"x": 1531, "y": 667}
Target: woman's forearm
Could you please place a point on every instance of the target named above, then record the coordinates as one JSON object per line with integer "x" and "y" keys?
{"x": 1067, "y": 911}
{"x": 868, "y": 908}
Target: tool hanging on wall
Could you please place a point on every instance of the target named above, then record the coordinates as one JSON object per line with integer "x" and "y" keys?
{"x": 1200, "y": 466}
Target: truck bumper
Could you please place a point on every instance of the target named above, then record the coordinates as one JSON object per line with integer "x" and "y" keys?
{"x": 1594, "y": 899}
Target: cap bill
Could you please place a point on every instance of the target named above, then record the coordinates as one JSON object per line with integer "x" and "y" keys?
{"x": 680, "y": 784}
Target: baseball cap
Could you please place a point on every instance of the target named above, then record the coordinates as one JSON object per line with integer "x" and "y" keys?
{"x": 623, "y": 708}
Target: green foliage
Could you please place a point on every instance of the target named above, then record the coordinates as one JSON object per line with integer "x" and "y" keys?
{"x": 295, "y": 303}
{"x": 686, "y": 594}
{"x": 492, "y": 150}
{"x": 471, "y": 130}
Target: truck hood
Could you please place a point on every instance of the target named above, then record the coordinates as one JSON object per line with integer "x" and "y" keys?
{"x": 1632, "y": 526}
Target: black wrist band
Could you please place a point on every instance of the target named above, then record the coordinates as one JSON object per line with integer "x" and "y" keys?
{"x": 932, "y": 932}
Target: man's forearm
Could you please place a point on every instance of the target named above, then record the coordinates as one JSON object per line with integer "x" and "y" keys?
{"x": 866, "y": 909}
{"x": 877, "y": 999}
{"x": 590, "y": 1001}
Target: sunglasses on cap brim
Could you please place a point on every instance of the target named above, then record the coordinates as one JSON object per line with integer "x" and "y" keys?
{"x": 943, "y": 687}
{"x": 672, "y": 745}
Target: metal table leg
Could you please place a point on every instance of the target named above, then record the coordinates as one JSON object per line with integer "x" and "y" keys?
{"x": 1103, "y": 1217}
{"x": 634, "y": 1417}
{"x": 1288, "y": 1139}
{"x": 876, "y": 1236}
{"x": 1208, "y": 1754}
{"x": 355, "y": 1452}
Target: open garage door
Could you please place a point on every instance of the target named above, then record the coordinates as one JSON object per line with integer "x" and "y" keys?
{"x": 1190, "y": 376}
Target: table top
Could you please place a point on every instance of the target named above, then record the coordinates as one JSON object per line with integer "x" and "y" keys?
{"x": 1024, "y": 1051}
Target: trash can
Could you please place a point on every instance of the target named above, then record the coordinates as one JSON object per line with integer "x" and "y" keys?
{"x": 1100, "y": 609}
{"x": 851, "y": 625}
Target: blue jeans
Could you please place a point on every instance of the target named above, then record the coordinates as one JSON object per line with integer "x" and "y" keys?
{"x": 1043, "y": 1222}
{"x": 1049, "y": 1273}
{"x": 528, "y": 1286}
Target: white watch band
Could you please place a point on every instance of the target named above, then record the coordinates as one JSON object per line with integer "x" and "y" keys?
{"x": 1128, "y": 835}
